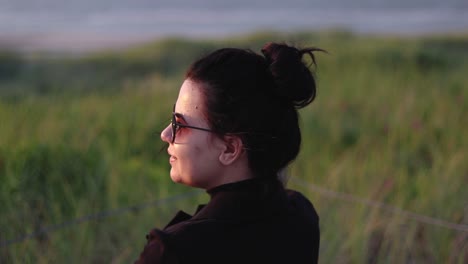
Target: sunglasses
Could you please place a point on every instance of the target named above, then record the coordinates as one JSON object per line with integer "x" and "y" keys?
{"x": 176, "y": 126}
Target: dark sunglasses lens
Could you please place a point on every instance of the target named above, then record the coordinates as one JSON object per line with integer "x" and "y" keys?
{"x": 174, "y": 129}
{"x": 173, "y": 124}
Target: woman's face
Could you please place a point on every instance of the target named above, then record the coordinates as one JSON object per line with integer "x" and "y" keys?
{"x": 194, "y": 155}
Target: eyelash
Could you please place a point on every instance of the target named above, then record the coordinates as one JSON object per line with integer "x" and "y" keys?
{"x": 178, "y": 125}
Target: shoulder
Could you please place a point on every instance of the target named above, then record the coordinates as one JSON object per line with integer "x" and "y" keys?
{"x": 304, "y": 223}
{"x": 298, "y": 198}
{"x": 156, "y": 250}
{"x": 301, "y": 204}
{"x": 195, "y": 231}
{"x": 165, "y": 246}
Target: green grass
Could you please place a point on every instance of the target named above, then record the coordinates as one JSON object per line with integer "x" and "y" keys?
{"x": 79, "y": 136}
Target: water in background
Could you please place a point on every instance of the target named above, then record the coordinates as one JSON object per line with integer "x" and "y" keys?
{"x": 89, "y": 24}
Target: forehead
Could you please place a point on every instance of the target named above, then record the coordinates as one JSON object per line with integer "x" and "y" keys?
{"x": 190, "y": 101}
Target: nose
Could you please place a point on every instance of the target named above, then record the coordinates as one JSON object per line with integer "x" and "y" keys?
{"x": 166, "y": 134}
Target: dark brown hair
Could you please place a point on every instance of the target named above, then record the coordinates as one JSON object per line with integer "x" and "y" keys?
{"x": 257, "y": 97}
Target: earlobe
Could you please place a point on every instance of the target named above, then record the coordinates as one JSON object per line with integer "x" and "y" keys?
{"x": 232, "y": 150}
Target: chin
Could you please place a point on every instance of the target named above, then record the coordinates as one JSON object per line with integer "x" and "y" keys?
{"x": 176, "y": 179}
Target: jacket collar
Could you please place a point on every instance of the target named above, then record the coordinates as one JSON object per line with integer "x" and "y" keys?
{"x": 245, "y": 199}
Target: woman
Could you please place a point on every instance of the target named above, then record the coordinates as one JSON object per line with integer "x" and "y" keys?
{"x": 234, "y": 129}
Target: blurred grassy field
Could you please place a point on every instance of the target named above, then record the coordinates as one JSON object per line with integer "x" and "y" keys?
{"x": 79, "y": 140}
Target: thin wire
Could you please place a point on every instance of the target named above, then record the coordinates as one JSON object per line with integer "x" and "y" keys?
{"x": 102, "y": 214}
{"x": 323, "y": 191}
{"x": 97, "y": 216}
{"x": 351, "y": 198}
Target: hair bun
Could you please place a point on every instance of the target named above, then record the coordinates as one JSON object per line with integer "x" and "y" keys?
{"x": 292, "y": 77}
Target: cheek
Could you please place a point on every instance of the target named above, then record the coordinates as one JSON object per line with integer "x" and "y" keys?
{"x": 197, "y": 159}
{"x": 188, "y": 158}
{"x": 197, "y": 165}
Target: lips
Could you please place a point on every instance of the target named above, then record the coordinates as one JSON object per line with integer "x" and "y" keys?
{"x": 171, "y": 157}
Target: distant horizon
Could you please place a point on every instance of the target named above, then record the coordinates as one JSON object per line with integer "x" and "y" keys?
{"x": 84, "y": 26}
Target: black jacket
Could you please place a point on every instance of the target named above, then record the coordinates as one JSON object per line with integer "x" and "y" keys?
{"x": 252, "y": 221}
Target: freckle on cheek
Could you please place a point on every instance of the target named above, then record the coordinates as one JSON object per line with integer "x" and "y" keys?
{"x": 198, "y": 149}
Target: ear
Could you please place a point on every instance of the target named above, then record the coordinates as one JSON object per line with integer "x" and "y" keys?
{"x": 233, "y": 149}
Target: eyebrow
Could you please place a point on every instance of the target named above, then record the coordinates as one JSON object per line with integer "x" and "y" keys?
{"x": 181, "y": 116}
